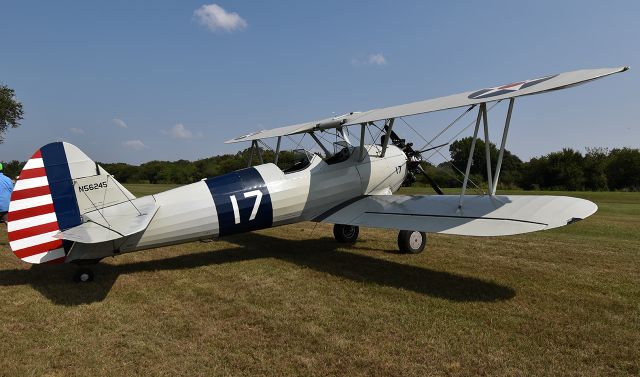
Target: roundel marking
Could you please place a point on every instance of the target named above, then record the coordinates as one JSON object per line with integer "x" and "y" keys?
{"x": 508, "y": 88}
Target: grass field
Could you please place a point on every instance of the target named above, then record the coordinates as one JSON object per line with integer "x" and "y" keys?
{"x": 291, "y": 301}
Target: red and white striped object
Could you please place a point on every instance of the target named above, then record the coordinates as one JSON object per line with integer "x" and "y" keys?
{"x": 32, "y": 221}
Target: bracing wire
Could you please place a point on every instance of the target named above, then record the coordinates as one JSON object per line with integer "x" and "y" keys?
{"x": 449, "y": 126}
{"x": 320, "y": 136}
{"x": 265, "y": 145}
{"x": 373, "y": 139}
{"x": 293, "y": 141}
{"x": 473, "y": 122}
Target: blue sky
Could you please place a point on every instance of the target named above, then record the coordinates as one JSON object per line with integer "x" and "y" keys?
{"x": 136, "y": 81}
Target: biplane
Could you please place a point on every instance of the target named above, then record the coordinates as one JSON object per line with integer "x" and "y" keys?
{"x": 66, "y": 208}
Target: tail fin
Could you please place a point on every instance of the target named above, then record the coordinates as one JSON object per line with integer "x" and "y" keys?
{"x": 55, "y": 188}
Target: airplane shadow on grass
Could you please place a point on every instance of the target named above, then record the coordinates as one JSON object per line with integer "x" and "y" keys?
{"x": 54, "y": 282}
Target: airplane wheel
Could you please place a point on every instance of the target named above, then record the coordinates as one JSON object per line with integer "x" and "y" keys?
{"x": 412, "y": 241}
{"x": 83, "y": 275}
{"x": 346, "y": 233}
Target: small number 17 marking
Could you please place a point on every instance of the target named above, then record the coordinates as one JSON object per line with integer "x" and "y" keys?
{"x": 256, "y": 205}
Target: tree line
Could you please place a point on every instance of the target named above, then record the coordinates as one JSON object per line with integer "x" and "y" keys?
{"x": 598, "y": 169}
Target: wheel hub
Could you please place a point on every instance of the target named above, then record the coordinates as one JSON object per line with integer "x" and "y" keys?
{"x": 349, "y": 231}
{"x": 415, "y": 240}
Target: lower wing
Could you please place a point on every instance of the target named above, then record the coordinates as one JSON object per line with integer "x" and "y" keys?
{"x": 478, "y": 216}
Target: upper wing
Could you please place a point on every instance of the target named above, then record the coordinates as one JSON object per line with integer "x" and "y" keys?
{"x": 516, "y": 89}
{"x": 479, "y": 216}
{"x": 295, "y": 129}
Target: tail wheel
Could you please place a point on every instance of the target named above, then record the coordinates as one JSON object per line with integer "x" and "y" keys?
{"x": 346, "y": 233}
{"x": 83, "y": 275}
{"x": 412, "y": 241}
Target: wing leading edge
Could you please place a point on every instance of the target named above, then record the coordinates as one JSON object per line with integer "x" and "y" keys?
{"x": 481, "y": 215}
{"x": 515, "y": 89}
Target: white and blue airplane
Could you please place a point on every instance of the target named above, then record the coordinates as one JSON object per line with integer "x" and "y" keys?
{"x": 65, "y": 208}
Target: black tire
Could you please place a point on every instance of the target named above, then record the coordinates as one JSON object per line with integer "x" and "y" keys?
{"x": 83, "y": 275}
{"x": 346, "y": 233}
{"x": 412, "y": 241}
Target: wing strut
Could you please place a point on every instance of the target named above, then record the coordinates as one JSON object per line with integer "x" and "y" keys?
{"x": 344, "y": 132}
{"x": 504, "y": 141}
{"x": 473, "y": 148}
{"x": 277, "y": 150}
{"x": 363, "y": 127}
{"x": 253, "y": 144}
{"x": 389, "y": 127}
{"x": 326, "y": 151}
{"x": 487, "y": 147}
{"x": 492, "y": 179}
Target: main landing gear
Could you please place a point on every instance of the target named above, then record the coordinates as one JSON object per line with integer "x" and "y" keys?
{"x": 409, "y": 241}
{"x": 346, "y": 233}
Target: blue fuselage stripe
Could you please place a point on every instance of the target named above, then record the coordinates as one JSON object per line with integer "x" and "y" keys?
{"x": 235, "y": 185}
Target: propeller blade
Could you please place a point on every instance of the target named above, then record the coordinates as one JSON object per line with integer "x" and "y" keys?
{"x": 433, "y": 183}
{"x": 432, "y": 148}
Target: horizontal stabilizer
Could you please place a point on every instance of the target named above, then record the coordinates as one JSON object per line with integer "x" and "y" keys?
{"x": 113, "y": 222}
{"x": 479, "y": 215}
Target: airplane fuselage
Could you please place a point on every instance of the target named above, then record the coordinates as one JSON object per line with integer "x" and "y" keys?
{"x": 258, "y": 197}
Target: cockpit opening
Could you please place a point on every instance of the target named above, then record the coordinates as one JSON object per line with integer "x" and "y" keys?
{"x": 341, "y": 152}
{"x": 300, "y": 160}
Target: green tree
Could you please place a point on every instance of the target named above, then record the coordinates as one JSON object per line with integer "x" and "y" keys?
{"x": 511, "y": 164}
{"x": 562, "y": 170}
{"x": 151, "y": 171}
{"x": 532, "y": 173}
{"x": 10, "y": 110}
{"x": 123, "y": 173}
{"x": 595, "y": 169}
{"x": 12, "y": 169}
{"x": 623, "y": 170}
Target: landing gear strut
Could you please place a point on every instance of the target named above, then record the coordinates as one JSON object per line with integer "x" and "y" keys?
{"x": 411, "y": 241}
{"x": 83, "y": 275}
{"x": 346, "y": 233}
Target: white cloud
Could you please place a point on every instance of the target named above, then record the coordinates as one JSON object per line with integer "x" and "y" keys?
{"x": 215, "y": 18}
{"x": 179, "y": 131}
{"x": 78, "y": 131}
{"x": 372, "y": 59}
{"x": 120, "y": 123}
{"x": 377, "y": 59}
{"x": 136, "y": 145}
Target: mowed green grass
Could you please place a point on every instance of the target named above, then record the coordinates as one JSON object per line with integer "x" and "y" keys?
{"x": 291, "y": 301}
